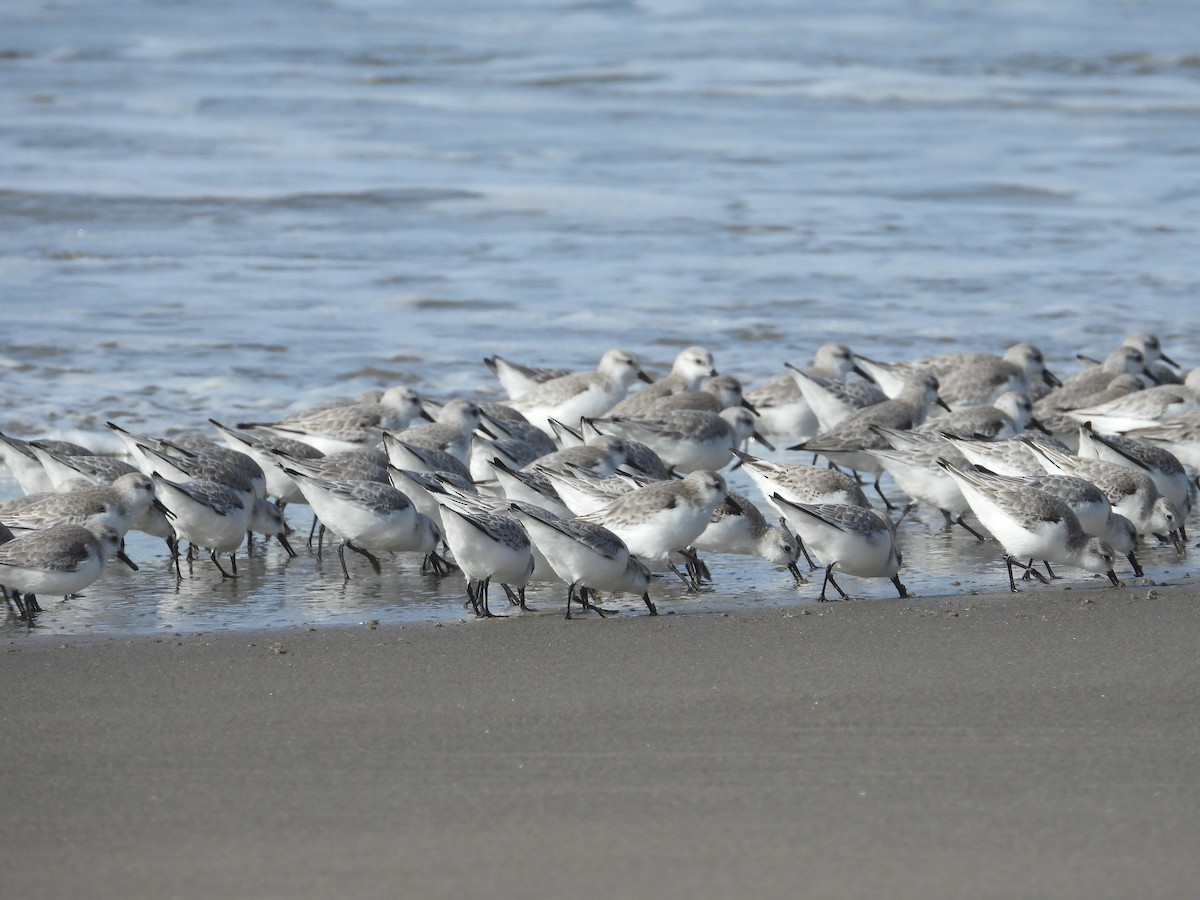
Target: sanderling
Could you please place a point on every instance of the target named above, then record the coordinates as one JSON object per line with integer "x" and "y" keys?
{"x": 65, "y": 469}
{"x": 912, "y": 460}
{"x": 832, "y": 400}
{"x": 450, "y": 433}
{"x": 802, "y": 483}
{"x": 571, "y": 397}
{"x": 421, "y": 459}
{"x": 738, "y": 526}
{"x": 352, "y": 426}
{"x": 517, "y": 379}
{"x": 1031, "y": 524}
{"x": 487, "y": 547}
{"x": 1181, "y": 436}
{"x": 1160, "y": 464}
{"x": 689, "y": 440}
{"x": 717, "y": 393}
{"x": 207, "y": 514}
{"x": 663, "y": 517}
{"x": 1009, "y": 415}
{"x": 1131, "y": 491}
{"x": 1084, "y": 387}
{"x": 1093, "y": 509}
{"x": 1142, "y": 409}
{"x": 781, "y": 406}
{"x": 692, "y": 365}
{"x": 849, "y": 442}
{"x": 587, "y": 556}
{"x": 967, "y": 378}
{"x": 259, "y": 447}
{"x": 119, "y": 505}
{"x": 856, "y": 540}
{"x": 1004, "y": 456}
{"x": 369, "y": 517}
{"x": 61, "y": 559}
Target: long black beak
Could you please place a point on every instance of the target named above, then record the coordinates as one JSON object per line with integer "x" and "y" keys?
{"x": 750, "y": 406}
{"x": 1034, "y": 423}
{"x": 943, "y": 404}
{"x": 1050, "y": 378}
{"x": 642, "y": 376}
{"x": 762, "y": 440}
{"x": 1112, "y": 576}
{"x": 859, "y": 370}
{"x": 125, "y": 559}
{"x": 1168, "y": 360}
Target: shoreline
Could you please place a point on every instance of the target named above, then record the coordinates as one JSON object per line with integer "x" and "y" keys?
{"x": 1041, "y": 744}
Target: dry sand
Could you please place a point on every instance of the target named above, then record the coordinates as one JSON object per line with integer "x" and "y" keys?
{"x": 1044, "y": 745}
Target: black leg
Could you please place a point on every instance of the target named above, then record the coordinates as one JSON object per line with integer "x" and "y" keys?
{"x": 371, "y": 556}
{"x": 959, "y": 521}
{"x": 1137, "y": 569}
{"x": 899, "y": 587}
{"x": 1012, "y": 583}
{"x": 342, "y": 557}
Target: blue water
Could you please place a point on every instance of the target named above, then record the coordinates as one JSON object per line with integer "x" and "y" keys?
{"x": 234, "y": 210}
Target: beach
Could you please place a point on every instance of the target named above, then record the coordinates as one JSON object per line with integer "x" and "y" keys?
{"x": 1036, "y": 745}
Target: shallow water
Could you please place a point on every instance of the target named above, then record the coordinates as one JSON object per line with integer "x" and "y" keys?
{"x": 218, "y": 211}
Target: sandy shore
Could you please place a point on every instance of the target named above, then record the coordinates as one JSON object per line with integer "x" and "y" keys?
{"x": 1044, "y": 745}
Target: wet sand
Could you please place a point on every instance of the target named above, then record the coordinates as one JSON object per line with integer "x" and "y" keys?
{"x": 1043, "y": 745}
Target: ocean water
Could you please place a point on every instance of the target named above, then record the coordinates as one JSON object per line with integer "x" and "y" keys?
{"x": 236, "y": 210}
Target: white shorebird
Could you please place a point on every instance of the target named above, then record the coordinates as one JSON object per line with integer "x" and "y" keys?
{"x": 688, "y": 440}
{"x": 119, "y": 505}
{"x": 1085, "y": 387}
{"x": 1131, "y": 491}
{"x": 572, "y": 397}
{"x": 25, "y": 466}
{"x": 1032, "y": 524}
{"x": 207, "y": 514}
{"x": 692, "y": 365}
{"x": 349, "y": 426}
{"x": 848, "y": 443}
{"x": 1163, "y": 467}
{"x": 1007, "y": 416}
{"x": 717, "y": 393}
{"x": 1142, "y": 409}
{"x": 830, "y": 400}
{"x": 450, "y": 432}
{"x": 370, "y": 518}
{"x": 912, "y": 461}
{"x": 783, "y": 408}
{"x": 1180, "y": 436}
{"x": 517, "y": 378}
{"x": 587, "y": 556}
{"x": 265, "y": 449}
{"x": 738, "y": 526}
{"x": 63, "y": 469}
{"x": 61, "y": 559}
{"x": 858, "y": 541}
{"x": 967, "y": 378}
{"x": 487, "y": 547}
{"x": 664, "y": 517}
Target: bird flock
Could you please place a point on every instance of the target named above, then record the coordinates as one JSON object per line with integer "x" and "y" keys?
{"x": 584, "y": 480}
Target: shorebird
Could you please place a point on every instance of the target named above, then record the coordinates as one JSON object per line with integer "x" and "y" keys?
{"x": 348, "y": 426}
{"x": 571, "y": 397}
{"x": 688, "y": 440}
{"x": 1031, "y": 524}
{"x": 587, "y": 556}
{"x": 370, "y": 518}
{"x": 487, "y": 547}
{"x": 61, "y": 559}
{"x": 1132, "y": 492}
{"x": 692, "y": 365}
{"x": 967, "y": 378}
{"x": 663, "y": 517}
{"x": 848, "y": 444}
{"x": 856, "y": 540}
